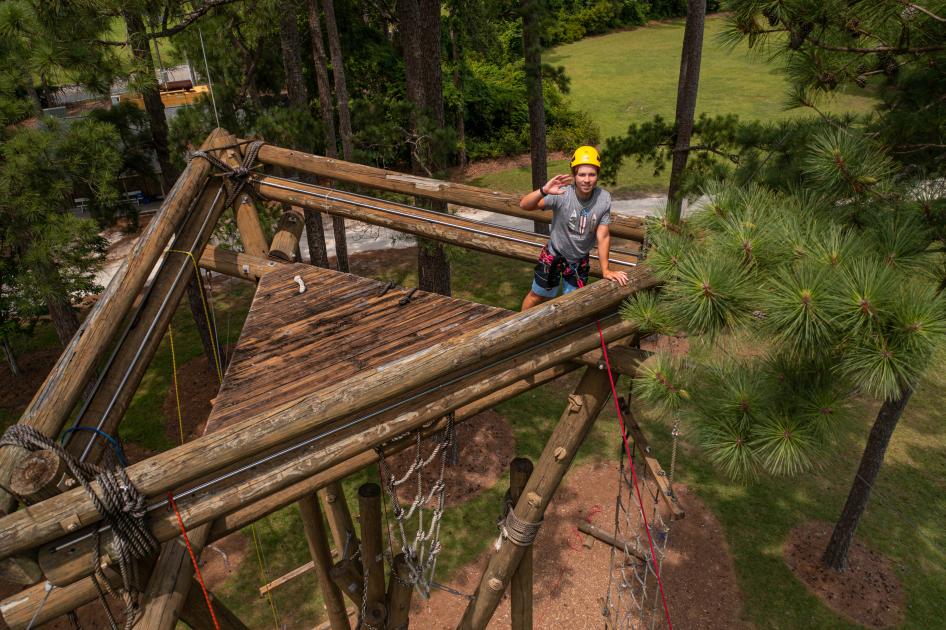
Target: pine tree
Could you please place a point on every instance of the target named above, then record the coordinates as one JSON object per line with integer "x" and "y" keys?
{"x": 805, "y": 297}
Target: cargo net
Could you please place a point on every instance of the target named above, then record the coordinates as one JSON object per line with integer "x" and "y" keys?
{"x": 421, "y": 549}
{"x": 633, "y": 598}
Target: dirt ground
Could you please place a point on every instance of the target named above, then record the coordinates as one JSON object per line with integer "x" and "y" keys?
{"x": 867, "y": 592}
{"x": 571, "y": 580}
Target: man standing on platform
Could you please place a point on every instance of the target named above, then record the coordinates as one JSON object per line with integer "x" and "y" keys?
{"x": 581, "y": 212}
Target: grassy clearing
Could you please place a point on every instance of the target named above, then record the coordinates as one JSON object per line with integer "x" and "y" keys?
{"x": 629, "y": 76}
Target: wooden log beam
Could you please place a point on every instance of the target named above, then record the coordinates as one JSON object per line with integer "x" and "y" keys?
{"x": 347, "y": 576}
{"x": 372, "y": 542}
{"x": 20, "y": 608}
{"x": 322, "y": 561}
{"x": 260, "y": 432}
{"x": 620, "y": 544}
{"x": 451, "y": 192}
{"x": 584, "y": 405}
{"x": 288, "y": 232}
{"x": 170, "y": 583}
{"x": 339, "y": 518}
{"x": 196, "y": 614}
{"x": 657, "y": 473}
{"x": 131, "y": 358}
{"x": 520, "y": 587}
{"x": 245, "y": 214}
{"x": 237, "y": 265}
{"x": 59, "y": 393}
{"x": 65, "y": 563}
{"x": 399, "y": 595}
{"x": 420, "y": 222}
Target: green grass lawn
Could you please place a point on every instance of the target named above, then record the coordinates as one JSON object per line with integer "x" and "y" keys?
{"x": 629, "y": 76}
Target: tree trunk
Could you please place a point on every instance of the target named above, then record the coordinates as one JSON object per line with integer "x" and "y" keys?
{"x": 835, "y": 556}
{"x": 321, "y": 79}
{"x": 11, "y": 358}
{"x": 291, "y": 54}
{"x": 344, "y": 122}
{"x": 141, "y": 51}
{"x": 63, "y": 316}
{"x": 687, "y": 87}
{"x": 458, "y": 86}
{"x": 532, "y": 50}
{"x": 419, "y": 25}
{"x": 315, "y": 238}
{"x": 203, "y": 320}
{"x": 31, "y": 90}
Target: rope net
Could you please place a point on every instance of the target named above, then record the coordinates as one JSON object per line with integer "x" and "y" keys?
{"x": 422, "y": 548}
{"x": 633, "y": 596}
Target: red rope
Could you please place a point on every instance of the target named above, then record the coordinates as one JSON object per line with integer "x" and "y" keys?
{"x": 630, "y": 461}
{"x": 637, "y": 492}
{"x": 190, "y": 550}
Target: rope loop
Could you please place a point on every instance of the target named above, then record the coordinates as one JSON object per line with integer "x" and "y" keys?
{"x": 118, "y": 502}
{"x": 516, "y": 530}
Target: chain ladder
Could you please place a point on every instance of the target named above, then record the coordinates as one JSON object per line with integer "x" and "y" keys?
{"x": 421, "y": 553}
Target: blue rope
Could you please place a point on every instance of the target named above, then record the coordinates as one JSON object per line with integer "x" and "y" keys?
{"x": 111, "y": 440}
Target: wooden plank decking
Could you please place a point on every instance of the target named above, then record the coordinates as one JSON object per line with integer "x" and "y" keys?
{"x": 294, "y": 344}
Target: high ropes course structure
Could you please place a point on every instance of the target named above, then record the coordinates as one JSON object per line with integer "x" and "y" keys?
{"x": 332, "y": 373}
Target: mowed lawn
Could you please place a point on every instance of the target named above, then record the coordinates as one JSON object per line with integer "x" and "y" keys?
{"x": 630, "y": 76}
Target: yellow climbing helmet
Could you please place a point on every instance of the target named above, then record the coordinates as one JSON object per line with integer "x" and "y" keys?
{"x": 586, "y": 155}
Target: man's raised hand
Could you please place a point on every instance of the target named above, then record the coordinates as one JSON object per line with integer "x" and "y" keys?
{"x": 556, "y": 185}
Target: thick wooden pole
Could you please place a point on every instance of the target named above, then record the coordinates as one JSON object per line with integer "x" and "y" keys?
{"x": 372, "y": 542}
{"x": 322, "y": 558}
{"x": 421, "y": 222}
{"x": 258, "y": 432}
{"x": 244, "y": 211}
{"x": 400, "y": 591}
{"x": 584, "y": 405}
{"x": 339, "y": 518}
{"x": 132, "y": 358}
{"x": 170, "y": 583}
{"x": 61, "y": 390}
{"x": 288, "y": 233}
{"x": 237, "y": 265}
{"x": 20, "y": 608}
{"x": 520, "y": 588}
{"x": 346, "y": 575}
{"x": 451, "y": 192}
{"x": 196, "y": 614}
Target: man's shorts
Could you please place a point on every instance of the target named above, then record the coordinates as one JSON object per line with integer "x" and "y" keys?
{"x": 552, "y": 269}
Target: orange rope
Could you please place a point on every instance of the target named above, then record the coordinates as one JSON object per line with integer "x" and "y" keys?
{"x": 190, "y": 550}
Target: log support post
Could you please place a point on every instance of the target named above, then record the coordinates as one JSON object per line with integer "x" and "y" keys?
{"x": 196, "y": 614}
{"x": 322, "y": 559}
{"x": 400, "y": 590}
{"x": 372, "y": 549}
{"x": 339, "y": 518}
{"x": 170, "y": 583}
{"x": 584, "y": 405}
{"x": 520, "y": 587}
{"x": 288, "y": 233}
{"x": 347, "y": 576}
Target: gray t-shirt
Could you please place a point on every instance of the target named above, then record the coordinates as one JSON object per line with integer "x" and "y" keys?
{"x": 571, "y": 236}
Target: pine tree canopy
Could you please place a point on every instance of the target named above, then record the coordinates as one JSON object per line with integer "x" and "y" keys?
{"x": 794, "y": 301}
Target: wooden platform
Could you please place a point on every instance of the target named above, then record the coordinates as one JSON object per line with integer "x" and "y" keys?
{"x": 294, "y": 344}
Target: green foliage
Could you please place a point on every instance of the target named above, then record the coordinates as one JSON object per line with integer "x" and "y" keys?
{"x": 46, "y": 252}
{"x": 828, "y": 287}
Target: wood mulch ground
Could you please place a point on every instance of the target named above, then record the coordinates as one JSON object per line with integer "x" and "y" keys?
{"x": 867, "y": 592}
{"x": 571, "y": 580}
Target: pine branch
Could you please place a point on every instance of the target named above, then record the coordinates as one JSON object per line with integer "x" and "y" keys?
{"x": 893, "y": 50}
{"x": 911, "y": 5}
{"x": 190, "y": 18}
